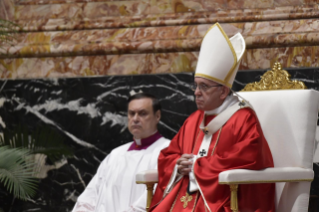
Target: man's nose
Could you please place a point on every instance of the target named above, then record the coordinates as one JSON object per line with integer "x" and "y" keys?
{"x": 197, "y": 92}
{"x": 135, "y": 117}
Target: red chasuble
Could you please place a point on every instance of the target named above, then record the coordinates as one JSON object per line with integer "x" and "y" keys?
{"x": 241, "y": 145}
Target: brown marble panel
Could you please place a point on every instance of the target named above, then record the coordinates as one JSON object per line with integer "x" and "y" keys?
{"x": 98, "y": 65}
{"x": 258, "y": 58}
{"x": 172, "y": 62}
{"x": 50, "y": 50}
{"x": 38, "y": 2}
{"x": 169, "y": 62}
{"x": 115, "y": 35}
{"x": 7, "y": 9}
{"x": 32, "y": 12}
{"x": 303, "y": 56}
{"x": 216, "y": 5}
{"x": 166, "y": 6}
{"x": 177, "y": 6}
{"x": 54, "y": 67}
{"x": 128, "y": 64}
{"x": 161, "y": 6}
{"x": 161, "y": 39}
{"x": 280, "y": 3}
{"x": 314, "y": 57}
{"x": 82, "y": 10}
{"x": 275, "y": 27}
{"x": 241, "y": 4}
{"x": 118, "y": 8}
{"x": 264, "y": 3}
{"x": 311, "y": 2}
{"x": 170, "y": 19}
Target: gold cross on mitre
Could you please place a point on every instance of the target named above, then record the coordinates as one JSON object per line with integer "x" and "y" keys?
{"x": 185, "y": 199}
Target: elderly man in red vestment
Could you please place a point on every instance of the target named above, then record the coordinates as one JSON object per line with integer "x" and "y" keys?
{"x": 224, "y": 133}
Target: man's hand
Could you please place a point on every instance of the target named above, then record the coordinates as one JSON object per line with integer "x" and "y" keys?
{"x": 183, "y": 164}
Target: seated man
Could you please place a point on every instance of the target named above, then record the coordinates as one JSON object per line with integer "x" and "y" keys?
{"x": 113, "y": 187}
{"x": 222, "y": 134}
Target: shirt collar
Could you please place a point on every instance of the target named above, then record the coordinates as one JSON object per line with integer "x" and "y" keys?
{"x": 143, "y": 143}
{"x": 229, "y": 101}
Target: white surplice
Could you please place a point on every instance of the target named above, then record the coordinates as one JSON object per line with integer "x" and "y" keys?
{"x": 113, "y": 188}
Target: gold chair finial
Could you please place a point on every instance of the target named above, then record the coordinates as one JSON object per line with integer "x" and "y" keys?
{"x": 275, "y": 79}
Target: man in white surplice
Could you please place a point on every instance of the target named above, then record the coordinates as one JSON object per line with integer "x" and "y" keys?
{"x": 113, "y": 188}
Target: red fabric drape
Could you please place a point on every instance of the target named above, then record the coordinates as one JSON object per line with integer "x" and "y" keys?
{"x": 241, "y": 145}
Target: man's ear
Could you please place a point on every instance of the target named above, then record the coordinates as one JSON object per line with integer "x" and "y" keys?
{"x": 158, "y": 115}
{"x": 224, "y": 92}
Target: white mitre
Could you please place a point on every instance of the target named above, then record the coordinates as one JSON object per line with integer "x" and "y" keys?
{"x": 219, "y": 56}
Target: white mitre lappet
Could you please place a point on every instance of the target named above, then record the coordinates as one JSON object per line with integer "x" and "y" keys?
{"x": 220, "y": 56}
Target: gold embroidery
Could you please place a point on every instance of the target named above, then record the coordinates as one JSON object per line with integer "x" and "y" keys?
{"x": 196, "y": 198}
{"x": 175, "y": 200}
{"x": 196, "y": 141}
{"x": 185, "y": 199}
{"x": 217, "y": 140}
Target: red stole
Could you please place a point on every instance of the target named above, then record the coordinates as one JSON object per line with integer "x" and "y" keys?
{"x": 241, "y": 145}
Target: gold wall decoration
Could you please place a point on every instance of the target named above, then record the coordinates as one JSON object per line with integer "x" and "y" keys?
{"x": 275, "y": 79}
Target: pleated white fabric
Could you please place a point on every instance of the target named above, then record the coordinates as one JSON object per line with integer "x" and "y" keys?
{"x": 113, "y": 188}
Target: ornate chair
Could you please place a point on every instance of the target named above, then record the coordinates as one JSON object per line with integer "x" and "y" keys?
{"x": 288, "y": 118}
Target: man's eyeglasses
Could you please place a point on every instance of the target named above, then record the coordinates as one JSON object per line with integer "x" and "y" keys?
{"x": 203, "y": 87}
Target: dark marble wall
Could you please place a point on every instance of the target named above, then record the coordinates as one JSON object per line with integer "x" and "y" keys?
{"x": 90, "y": 114}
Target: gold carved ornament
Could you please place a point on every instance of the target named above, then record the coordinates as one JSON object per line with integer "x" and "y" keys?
{"x": 275, "y": 79}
